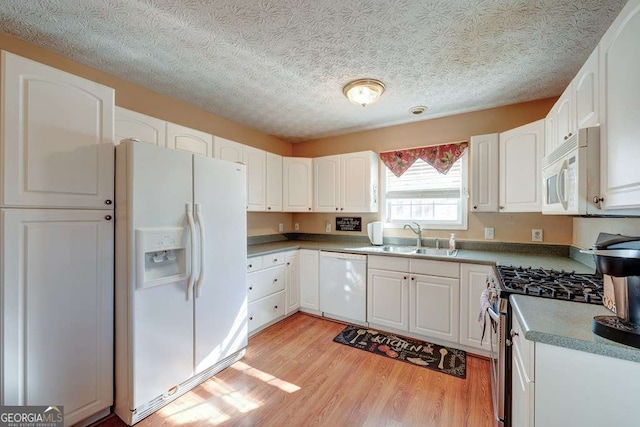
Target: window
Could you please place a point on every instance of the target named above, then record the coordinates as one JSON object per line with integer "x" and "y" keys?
{"x": 424, "y": 195}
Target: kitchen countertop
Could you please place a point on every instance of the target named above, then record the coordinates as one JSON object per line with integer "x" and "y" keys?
{"x": 470, "y": 256}
{"x": 567, "y": 324}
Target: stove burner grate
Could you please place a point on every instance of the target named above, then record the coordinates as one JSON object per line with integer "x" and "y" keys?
{"x": 548, "y": 283}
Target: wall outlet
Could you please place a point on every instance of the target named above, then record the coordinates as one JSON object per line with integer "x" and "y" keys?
{"x": 296, "y": 226}
{"x": 281, "y": 228}
{"x": 536, "y": 235}
{"x": 488, "y": 233}
{"x": 327, "y": 227}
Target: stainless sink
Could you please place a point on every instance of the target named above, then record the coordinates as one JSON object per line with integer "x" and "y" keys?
{"x": 435, "y": 252}
{"x": 408, "y": 250}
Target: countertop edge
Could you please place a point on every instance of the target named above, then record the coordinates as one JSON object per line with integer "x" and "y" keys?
{"x": 605, "y": 348}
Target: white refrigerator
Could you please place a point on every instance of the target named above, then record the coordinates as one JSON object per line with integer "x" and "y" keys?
{"x": 181, "y": 301}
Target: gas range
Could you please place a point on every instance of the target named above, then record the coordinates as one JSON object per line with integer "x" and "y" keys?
{"x": 549, "y": 283}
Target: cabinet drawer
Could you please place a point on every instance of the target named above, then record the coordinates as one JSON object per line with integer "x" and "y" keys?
{"x": 272, "y": 260}
{"x": 435, "y": 268}
{"x": 265, "y": 282}
{"x": 522, "y": 350}
{"x": 265, "y": 310}
{"x": 254, "y": 264}
{"x": 388, "y": 263}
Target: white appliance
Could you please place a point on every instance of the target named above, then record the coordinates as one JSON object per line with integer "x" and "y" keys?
{"x": 343, "y": 286}
{"x": 181, "y": 302}
{"x": 571, "y": 176}
{"x": 374, "y": 230}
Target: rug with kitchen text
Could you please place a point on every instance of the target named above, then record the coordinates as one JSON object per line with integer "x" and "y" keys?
{"x": 420, "y": 353}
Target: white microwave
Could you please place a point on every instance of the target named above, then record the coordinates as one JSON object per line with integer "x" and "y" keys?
{"x": 571, "y": 176}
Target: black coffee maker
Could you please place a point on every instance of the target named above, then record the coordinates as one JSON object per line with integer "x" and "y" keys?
{"x": 618, "y": 257}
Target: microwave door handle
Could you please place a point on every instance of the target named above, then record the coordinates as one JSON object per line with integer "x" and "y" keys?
{"x": 559, "y": 182}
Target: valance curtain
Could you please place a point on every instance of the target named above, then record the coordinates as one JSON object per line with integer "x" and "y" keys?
{"x": 441, "y": 157}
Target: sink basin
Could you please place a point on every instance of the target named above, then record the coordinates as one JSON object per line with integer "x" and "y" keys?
{"x": 436, "y": 252}
{"x": 388, "y": 248}
{"x": 397, "y": 249}
{"x": 408, "y": 250}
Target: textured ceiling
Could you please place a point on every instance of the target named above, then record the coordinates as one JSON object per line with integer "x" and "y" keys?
{"x": 279, "y": 65}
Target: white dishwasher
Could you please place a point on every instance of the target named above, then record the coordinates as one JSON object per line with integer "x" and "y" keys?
{"x": 343, "y": 286}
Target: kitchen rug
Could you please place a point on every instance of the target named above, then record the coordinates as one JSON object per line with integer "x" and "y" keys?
{"x": 426, "y": 355}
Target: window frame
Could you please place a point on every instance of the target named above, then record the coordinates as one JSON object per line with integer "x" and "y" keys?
{"x": 463, "y": 224}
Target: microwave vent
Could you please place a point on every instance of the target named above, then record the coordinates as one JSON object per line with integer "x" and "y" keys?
{"x": 564, "y": 149}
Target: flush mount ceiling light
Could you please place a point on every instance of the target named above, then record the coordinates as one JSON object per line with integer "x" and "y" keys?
{"x": 363, "y": 91}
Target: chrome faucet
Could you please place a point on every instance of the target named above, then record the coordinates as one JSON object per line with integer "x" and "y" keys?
{"x": 418, "y": 231}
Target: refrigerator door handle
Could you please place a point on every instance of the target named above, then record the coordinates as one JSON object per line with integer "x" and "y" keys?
{"x": 202, "y": 234}
{"x": 192, "y": 232}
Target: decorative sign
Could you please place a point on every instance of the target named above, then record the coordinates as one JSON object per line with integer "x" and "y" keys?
{"x": 349, "y": 223}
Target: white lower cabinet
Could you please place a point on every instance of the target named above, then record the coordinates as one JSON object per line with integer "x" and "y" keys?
{"x": 547, "y": 381}
{"x": 522, "y": 376}
{"x": 292, "y": 281}
{"x": 434, "y": 308}
{"x": 57, "y": 309}
{"x": 265, "y": 290}
{"x": 473, "y": 281}
{"x": 310, "y": 281}
{"x": 388, "y": 298}
{"x": 265, "y": 310}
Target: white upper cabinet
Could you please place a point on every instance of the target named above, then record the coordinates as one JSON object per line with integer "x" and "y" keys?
{"x": 274, "y": 182}
{"x": 297, "y": 184}
{"x": 187, "y": 139}
{"x": 256, "y": 161}
{"x": 484, "y": 173}
{"x": 565, "y": 118}
{"x": 346, "y": 183}
{"x": 359, "y": 182}
{"x": 130, "y": 124}
{"x": 521, "y": 151}
{"x": 225, "y": 149}
{"x": 326, "y": 177}
{"x": 576, "y": 108}
{"x": 264, "y": 173}
{"x": 620, "y": 110}
{"x": 56, "y": 139}
{"x": 585, "y": 92}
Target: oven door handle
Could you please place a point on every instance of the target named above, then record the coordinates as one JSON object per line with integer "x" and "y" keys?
{"x": 494, "y": 316}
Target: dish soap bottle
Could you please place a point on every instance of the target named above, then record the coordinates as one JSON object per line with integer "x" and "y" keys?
{"x": 452, "y": 243}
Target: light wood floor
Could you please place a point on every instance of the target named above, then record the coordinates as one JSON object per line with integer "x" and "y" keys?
{"x": 294, "y": 375}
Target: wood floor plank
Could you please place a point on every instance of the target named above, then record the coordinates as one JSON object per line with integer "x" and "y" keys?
{"x": 295, "y": 375}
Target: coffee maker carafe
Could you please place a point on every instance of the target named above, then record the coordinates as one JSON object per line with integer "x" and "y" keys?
{"x": 617, "y": 258}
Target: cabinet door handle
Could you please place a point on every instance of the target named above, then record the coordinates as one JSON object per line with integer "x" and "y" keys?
{"x": 570, "y": 134}
{"x": 107, "y": 202}
{"x": 597, "y": 199}
{"x": 108, "y": 217}
{"x": 501, "y": 207}
{"x": 413, "y": 278}
{"x": 251, "y": 318}
{"x": 275, "y": 260}
{"x": 341, "y": 209}
{"x": 275, "y": 280}
{"x": 269, "y": 208}
{"x": 475, "y": 207}
{"x": 309, "y": 208}
{"x": 404, "y": 278}
{"x": 336, "y": 208}
{"x": 249, "y": 266}
{"x": 288, "y": 263}
{"x": 250, "y": 288}
{"x": 275, "y": 307}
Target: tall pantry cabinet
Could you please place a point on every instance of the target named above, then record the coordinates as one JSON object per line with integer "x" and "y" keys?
{"x": 56, "y": 239}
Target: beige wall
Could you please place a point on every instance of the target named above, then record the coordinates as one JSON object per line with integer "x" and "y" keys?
{"x": 508, "y": 227}
{"x": 585, "y": 230}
